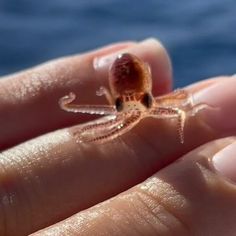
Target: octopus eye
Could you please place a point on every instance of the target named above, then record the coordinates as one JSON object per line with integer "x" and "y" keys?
{"x": 119, "y": 104}
{"x": 147, "y": 100}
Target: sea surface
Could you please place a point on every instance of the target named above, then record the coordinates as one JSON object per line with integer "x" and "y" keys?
{"x": 199, "y": 35}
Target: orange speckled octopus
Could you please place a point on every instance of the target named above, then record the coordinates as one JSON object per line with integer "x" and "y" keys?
{"x": 130, "y": 100}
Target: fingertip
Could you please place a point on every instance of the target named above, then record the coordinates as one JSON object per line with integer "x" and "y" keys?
{"x": 224, "y": 162}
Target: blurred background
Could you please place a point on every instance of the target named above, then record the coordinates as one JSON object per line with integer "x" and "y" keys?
{"x": 199, "y": 35}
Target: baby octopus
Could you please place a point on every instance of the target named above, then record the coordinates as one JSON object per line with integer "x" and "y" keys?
{"x": 130, "y": 98}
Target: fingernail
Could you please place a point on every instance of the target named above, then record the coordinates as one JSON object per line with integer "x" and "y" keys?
{"x": 103, "y": 63}
{"x": 224, "y": 162}
{"x": 221, "y": 95}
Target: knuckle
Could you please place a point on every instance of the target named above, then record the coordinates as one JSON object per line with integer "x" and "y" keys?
{"x": 165, "y": 208}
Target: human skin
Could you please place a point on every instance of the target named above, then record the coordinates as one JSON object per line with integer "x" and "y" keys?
{"x": 47, "y": 179}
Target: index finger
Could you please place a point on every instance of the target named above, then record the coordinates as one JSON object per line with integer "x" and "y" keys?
{"x": 29, "y": 100}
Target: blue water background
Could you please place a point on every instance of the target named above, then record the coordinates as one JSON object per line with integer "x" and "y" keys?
{"x": 199, "y": 35}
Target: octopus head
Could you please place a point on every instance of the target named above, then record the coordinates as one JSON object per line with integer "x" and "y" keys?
{"x": 130, "y": 80}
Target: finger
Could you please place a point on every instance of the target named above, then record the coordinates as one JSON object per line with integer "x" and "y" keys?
{"x": 206, "y": 83}
{"x": 193, "y": 196}
{"x": 59, "y": 177}
{"x": 29, "y": 100}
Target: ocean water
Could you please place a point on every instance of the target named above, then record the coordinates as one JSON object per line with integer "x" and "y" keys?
{"x": 199, "y": 35}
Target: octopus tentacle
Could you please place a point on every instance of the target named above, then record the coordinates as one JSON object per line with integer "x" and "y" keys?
{"x": 170, "y": 112}
{"x": 100, "y": 124}
{"x": 181, "y": 123}
{"x": 66, "y": 104}
{"x": 104, "y": 91}
{"x": 163, "y": 112}
{"x": 109, "y": 130}
{"x": 178, "y": 97}
{"x": 200, "y": 106}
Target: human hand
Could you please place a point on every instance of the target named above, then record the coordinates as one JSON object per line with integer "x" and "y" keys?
{"x": 50, "y": 178}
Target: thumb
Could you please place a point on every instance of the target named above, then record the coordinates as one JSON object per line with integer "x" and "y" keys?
{"x": 195, "y": 195}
